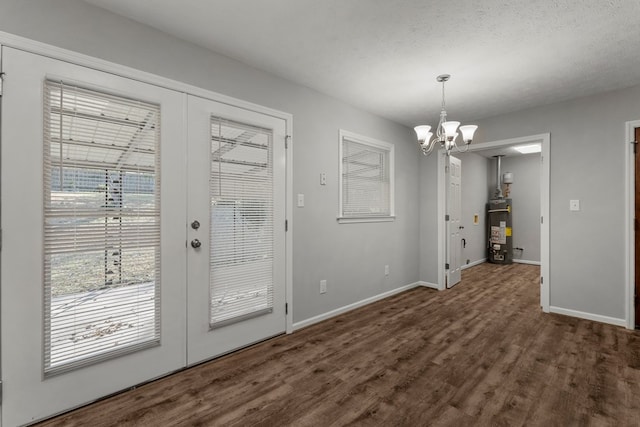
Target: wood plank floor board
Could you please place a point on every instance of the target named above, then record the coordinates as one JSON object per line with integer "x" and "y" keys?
{"x": 479, "y": 354}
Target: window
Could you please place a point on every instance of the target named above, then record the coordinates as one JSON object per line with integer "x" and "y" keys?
{"x": 366, "y": 179}
{"x": 102, "y": 226}
{"x": 241, "y": 191}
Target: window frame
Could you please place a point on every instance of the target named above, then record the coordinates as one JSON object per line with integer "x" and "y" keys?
{"x": 379, "y": 145}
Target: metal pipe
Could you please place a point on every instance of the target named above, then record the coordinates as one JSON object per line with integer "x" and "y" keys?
{"x": 499, "y": 179}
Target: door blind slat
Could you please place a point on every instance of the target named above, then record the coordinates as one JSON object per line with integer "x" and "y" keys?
{"x": 241, "y": 191}
{"x": 102, "y": 226}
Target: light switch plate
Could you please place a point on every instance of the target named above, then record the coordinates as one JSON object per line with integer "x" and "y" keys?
{"x": 574, "y": 205}
{"x": 301, "y": 200}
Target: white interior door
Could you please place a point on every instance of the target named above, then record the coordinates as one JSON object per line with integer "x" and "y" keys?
{"x": 93, "y": 258}
{"x": 236, "y": 260}
{"x": 454, "y": 209}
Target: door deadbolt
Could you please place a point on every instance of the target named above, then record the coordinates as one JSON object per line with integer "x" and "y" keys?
{"x": 195, "y": 243}
{"x": 195, "y": 224}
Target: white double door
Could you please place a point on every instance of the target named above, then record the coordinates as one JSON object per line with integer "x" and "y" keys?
{"x": 107, "y": 280}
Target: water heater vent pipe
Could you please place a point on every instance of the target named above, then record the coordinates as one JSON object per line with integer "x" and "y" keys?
{"x": 499, "y": 180}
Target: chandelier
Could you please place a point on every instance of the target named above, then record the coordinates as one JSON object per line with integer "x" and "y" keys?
{"x": 446, "y": 132}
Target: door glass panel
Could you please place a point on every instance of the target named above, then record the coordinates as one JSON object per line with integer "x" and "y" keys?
{"x": 102, "y": 226}
{"x": 241, "y": 191}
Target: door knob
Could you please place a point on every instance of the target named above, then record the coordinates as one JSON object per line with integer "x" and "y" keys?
{"x": 195, "y": 243}
{"x": 195, "y": 224}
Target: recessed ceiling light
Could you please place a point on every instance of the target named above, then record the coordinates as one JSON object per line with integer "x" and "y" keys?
{"x": 527, "y": 149}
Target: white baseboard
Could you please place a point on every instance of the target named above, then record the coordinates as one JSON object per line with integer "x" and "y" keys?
{"x": 524, "y": 261}
{"x": 429, "y": 285}
{"x": 589, "y": 316}
{"x": 349, "y": 307}
{"x": 473, "y": 264}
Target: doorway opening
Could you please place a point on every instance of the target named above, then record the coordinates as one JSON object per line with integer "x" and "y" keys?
{"x": 543, "y": 140}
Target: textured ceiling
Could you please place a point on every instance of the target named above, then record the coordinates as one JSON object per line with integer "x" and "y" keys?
{"x": 383, "y": 55}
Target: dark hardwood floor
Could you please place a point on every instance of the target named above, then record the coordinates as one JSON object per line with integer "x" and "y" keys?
{"x": 479, "y": 354}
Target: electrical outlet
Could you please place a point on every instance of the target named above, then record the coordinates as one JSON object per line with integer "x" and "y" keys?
{"x": 323, "y": 286}
{"x": 386, "y": 270}
{"x": 323, "y": 178}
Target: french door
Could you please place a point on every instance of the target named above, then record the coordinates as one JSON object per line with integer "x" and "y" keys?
{"x": 101, "y": 288}
{"x": 84, "y": 169}
{"x": 236, "y": 262}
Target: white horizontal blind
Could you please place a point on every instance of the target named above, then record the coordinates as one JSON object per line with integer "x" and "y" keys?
{"x": 241, "y": 186}
{"x": 102, "y": 226}
{"x": 366, "y": 183}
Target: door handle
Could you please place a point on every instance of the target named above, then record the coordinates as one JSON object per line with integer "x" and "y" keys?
{"x": 195, "y": 224}
{"x": 195, "y": 243}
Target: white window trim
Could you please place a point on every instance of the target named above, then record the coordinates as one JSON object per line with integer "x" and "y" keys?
{"x": 377, "y": 144}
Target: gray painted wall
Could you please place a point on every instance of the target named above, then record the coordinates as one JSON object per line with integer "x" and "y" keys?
{"x": 587, "y": 248}
{"x": 525, "y": 193}
{"x": 351, "y": 257}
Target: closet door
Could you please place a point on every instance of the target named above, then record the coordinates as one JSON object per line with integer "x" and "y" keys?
{"x": 236, "y": 251}
{"x": 93, "y": 216}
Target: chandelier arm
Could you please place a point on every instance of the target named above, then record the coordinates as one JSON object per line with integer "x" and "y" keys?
{"x": 458, "y": 148}
{"x": 430, "y": 147}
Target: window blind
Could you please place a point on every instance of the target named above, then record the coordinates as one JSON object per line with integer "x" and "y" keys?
{"x": 241, "y": 189}
{"x": 101, "y": 226}
{"x": 365, "y": 179}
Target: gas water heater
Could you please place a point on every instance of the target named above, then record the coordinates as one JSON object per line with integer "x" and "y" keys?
{"x": 499, "y": 222}
{"x": 500, "y": 231}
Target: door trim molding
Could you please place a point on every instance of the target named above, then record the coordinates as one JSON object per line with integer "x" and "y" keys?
{"x": 544, "y": 139}
{"x": 629, "y": 228}
{"x": 54, "y": 52}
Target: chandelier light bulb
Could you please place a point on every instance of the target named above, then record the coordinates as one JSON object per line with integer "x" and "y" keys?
{"x": 467, "y": 133}
{"x": 423, "y": 133}
{"x": 450, "y": 129}
{"x": 427, "y": 139}
{"x": 450, "y": 142}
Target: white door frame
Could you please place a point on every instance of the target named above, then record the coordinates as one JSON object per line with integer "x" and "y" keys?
{"x": 630, "y": 309}
{"x": 544, "y": 139}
